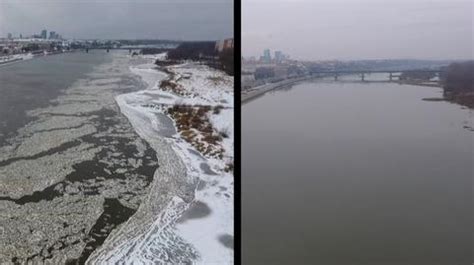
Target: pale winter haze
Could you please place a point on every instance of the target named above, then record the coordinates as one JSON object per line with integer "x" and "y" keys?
{"x": 119, "y": 19}
{"x": 359, "y": 29}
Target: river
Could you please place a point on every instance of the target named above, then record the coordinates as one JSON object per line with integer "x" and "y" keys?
{"x": 356, "y": 173}
{"x": 72, "y": 168}
{"x": 31, "y": 84}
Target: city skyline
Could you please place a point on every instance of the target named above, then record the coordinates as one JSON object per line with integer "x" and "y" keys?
{"x": 125, "y": 19}
{"x": 43, "y": 34}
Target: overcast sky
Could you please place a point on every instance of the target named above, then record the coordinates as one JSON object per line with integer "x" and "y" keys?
{"x": 359, "y": 29}
{"x": 162, "y": 19}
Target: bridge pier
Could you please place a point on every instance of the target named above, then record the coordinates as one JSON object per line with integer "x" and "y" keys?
{"x": 391, "y": 76}
{"x": 335, "y": 77}
{"x": 363, "y": 76}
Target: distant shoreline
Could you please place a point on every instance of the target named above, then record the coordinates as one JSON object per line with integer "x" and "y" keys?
{"x": 261, "y": 90}
{"x": 11, "y": 61}
{"x": 31, "y": 56}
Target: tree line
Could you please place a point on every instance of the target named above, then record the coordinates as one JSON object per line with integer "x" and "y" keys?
{"x": 204, "y": 51}
{"x": 459, "y": 77}
{"x": 458, "y": 83}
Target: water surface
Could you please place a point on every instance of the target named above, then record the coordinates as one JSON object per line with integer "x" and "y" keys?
{"x": 72, "y": 168}
{"x": 33, "y": 83}
{"x": 353, "y": 173}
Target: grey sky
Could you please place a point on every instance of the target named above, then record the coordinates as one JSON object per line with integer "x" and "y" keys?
{"x": 163, "y": 19}
{"x": 359, "y": 29}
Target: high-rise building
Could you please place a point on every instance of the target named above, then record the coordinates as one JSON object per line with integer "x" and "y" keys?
{"x": 279, "y": 56}
{"x": 10, "y": 36}
{"x": 267, "y": 58}
{"x": 44, "y": 34}
{"x": 52, "y": 35}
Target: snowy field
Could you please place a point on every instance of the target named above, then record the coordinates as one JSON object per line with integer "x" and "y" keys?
{"x": 194, "y": 229}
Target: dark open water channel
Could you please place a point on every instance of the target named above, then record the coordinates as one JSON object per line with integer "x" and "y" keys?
{"x": 352, "y": 173}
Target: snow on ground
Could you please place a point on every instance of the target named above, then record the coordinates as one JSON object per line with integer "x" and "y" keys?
{"x": 154, "y": 57}
{"x": 207, "y": 222}
{"x": 207, "y": 86}
{"x": 15, "y": 58}
{"x": 224, "y": 122}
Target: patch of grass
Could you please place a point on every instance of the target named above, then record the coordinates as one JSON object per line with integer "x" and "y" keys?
{"x": 216, "y": 80}
{"x": 224, "y": 134}
{"x": 172, "y": 86}
{"x": 229, "y": 167}
{"x": 167, "y": 84}
{"x": 195, "y": 127}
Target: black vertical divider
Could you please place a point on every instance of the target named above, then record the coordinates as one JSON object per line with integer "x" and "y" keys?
{"x": 237, "y": 125}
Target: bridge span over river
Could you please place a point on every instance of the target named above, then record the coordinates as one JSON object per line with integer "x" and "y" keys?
{"x": 362, "y": 73}
{"x": 250, "y": 94}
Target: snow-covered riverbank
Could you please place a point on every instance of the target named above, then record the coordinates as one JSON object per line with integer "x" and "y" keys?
{"x": 188, "y": 215}
{"x": 15, "y": 58}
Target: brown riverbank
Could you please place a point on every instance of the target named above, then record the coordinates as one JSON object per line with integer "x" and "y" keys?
{"x": 465, "y": 99}
{"x": 248, "y": 95}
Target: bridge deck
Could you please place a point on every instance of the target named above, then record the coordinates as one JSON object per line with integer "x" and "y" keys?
{"x": 373, "y": 71}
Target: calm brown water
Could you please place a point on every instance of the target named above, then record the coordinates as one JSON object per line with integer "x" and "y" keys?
{"x": 352, "y": 173}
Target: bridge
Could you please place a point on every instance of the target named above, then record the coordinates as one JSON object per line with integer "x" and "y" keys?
{"x": 362, "y": 73}
{"x": 250, "y": 94}
{"x": 129, "y": 48}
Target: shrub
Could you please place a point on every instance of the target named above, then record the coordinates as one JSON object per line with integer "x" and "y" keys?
{"x": 459, "y": 77}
